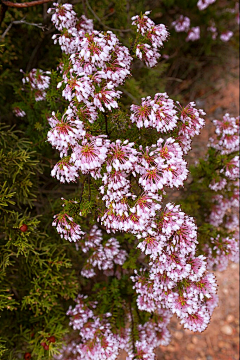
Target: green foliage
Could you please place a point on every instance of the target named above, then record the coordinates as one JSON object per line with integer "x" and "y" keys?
{"x": 36, "y": 278}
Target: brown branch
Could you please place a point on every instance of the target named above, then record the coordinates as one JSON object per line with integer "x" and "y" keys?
{"x": 26, "y": 4}
{"x": 22, "y": 21}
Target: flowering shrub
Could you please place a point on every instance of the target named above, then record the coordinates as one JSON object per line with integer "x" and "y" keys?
{"x": 150, "y": 258}
{"x": 144, "y": 254}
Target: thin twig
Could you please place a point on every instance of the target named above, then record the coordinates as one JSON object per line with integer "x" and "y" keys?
{"x": 106, "y": 124}
{"x": 81, "y": 195}
{"x": 100, "y": 21}
{"x": 26, "y": 4}
{"x": 22, "y": 21}
{"x": 132, "y": 326}
{"x": 89, "y": 188}
{"x": 129, "y": 94}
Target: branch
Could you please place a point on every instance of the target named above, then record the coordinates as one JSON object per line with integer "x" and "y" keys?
{"x": 26, "y": 4}
{"x": 100, "y": 21}
{"x": 106, "y": 124}
{"x": 22, "y": 21}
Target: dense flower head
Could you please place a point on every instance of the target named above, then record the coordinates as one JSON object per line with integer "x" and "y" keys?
{"x": 64, "y": 170}
{"x": 191, "y": 122}
{"x": 39, "y": 82}
{"x": 203, "y": 4}
{"x": 222, "y": 250}
{"x": 89, "y": 156}
{"x": 226, "y": 36}
{"x": 193, "y": 34}
{"x": 19, "y": 112}
{"x": 181, "y": 24}
{"x": 227, "y": 134}
{"x": 154, "y": 34}
{"x": 65, "y": 132}
{"x": 64, "y": 16}
{"x": 159, "y": 113}
{"x": 67, "y": 228}
{"x": 103, "y": 254}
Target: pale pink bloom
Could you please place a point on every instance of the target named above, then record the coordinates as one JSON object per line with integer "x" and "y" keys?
{"x": 216, "y": 186}
{"x": 39, "y": 81}
{"x": 121, "y": 156}
{"x": 181, "y": 24}
{"x": 213, "y": 30}
{"x": 67, "y": 228}
{"x": 65, "y": 132}
{"x": 155, "y": 34}
{"x": 143, "y": 22}
{"x": 172, "y": 219}
{"x": 64, "y": 17}
{"x": 65, "y": 170}
{"x": 107, "y": 96}
{"x": 19, "y": 112}
{"x": 159, "y": 113}
{"x": 191, "y": 121}
{"x": 90, "y": 155}
{"x": 203, "y": 4}
{"x": 147, "y": 54}
{"x": 226, "y": 36}
{"x": 227, "y": 135}
{"x": 232, "y": 169}
{"x": 193, "y": 34}
{"x": 197, "y": 321}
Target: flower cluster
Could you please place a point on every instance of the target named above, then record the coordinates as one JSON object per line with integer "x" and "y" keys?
{"x": 227, "y": 134}
{"x": 181, "y": 24}
{"x": 159, "y": 113}
{"x": 98, "y": 342}
{"x": 191, "y": 124}
{"x": 153, "y": 37}
{"x": 225, "y": 204}
{"x": 19, "y": 112}
{"x": 226, "y": 35}
{"x": 67, "y": 228}
{"x": 193, "y": 34}
{"x": 131, "y": 181}
{"x": 177, "y": 279}
{"x": 103, "y": 254}
{"x": 203, "y": 4}
{"x": 39, "y": 82}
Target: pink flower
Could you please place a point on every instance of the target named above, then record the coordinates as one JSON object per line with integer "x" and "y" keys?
{"x": 19, "y": 112}
{"x": 90, "y": 155}
{"x": 193, "y": 34}
{"x": 67, "y": 228}
{"x": 226, "y": 36}
{"x": 181, "y": 24}
{"x": 203, "y": 4}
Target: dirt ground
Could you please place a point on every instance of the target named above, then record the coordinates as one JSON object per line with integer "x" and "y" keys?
{"x": 220, "y": 341}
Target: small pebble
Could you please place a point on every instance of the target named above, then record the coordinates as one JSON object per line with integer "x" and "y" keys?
{"x": 227, "y": 330}
{"x": 190, "y": 347}
{"x": 178, "y": 335}
{"x": 230, "y": 318}
{"x": 195, "y": 339}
